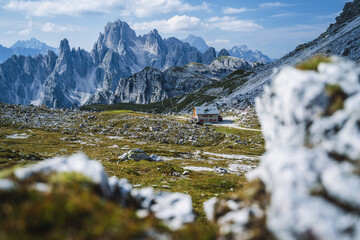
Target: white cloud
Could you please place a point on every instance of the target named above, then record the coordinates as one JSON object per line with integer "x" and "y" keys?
{"x": 221, "y": 19}
{"x": 187, "y": 24}
{"x": 51, "y": 27}
{"x": 282, "y": 15}
{"x": 139, "y": 8}
{"x": 27, "y": 30}
{"x": 218, "y": 41}
{"x": 230, "y": 10}
{"x": 234, "y": 25}
{"x": 175, "y": 24}
{"x": 273, "y": 4}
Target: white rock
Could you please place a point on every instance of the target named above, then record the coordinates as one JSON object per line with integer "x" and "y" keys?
{"x": 6, "y": 185}
{"x": 311, "y": 192}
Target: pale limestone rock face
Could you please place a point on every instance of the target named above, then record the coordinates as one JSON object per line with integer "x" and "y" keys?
{"x": 310, "y": 171}
{"x": 311, "y": 125}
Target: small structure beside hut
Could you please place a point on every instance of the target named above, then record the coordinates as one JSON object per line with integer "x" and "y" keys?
{"x": 206, "y": 114}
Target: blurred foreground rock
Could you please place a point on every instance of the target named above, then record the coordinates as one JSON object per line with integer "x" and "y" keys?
{"x": 174, "y": 209}
{"x": 308, "y": 183}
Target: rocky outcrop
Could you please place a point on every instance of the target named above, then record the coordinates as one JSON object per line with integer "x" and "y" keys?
{"x": 152, "y": 85}
{"x": 223, "y": 53}
{"x": 163, "y": 205}
{"x": 309, "y": 176}
{"x": 351, "y": 10}
{"x": 143, "y": 87}
{"x": 209, "y": 56}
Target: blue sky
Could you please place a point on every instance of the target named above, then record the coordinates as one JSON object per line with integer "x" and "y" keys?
{"x": 274, "y": 27}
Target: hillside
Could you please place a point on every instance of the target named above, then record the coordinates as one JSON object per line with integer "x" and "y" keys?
{"x": 240, "y": 90}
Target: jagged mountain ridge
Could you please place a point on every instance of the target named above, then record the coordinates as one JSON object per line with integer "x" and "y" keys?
{"x": 243, "y": 52}
{"x": 152, "y": 85}
{"x": 240, "y": 51}
{"x": 75, "y": 76}
{"x": 30, "y": 47}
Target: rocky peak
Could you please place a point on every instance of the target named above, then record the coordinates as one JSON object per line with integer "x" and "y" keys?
{"x": 64, "y": 48}
{"x": 350, "y": 11}
{"x": 197, "y": 42}
{"x": 209, "y": 56}
{"x": 223, "y": 53}
{"x": 155, "y": 33}
{"x": 119, "y": 36}
{"x": 242, "y": 48}
{"x": 154, "y": 43}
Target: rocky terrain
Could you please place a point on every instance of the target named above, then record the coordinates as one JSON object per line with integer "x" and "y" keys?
{"x": 151, "y": 85}
{"x": 163, "y": 152}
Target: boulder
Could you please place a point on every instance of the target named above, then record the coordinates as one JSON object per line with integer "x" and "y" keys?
{"x": 308, "y": 182}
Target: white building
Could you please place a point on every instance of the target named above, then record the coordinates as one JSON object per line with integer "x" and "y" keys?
{"x": 206, "y": 114}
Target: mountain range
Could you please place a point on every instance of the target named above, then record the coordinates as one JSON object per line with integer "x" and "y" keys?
{"x": 240, "y": 51}
{"x": 106, "y": 74}
{"x": 30, "y": 47}
{"x": 124, "y": 67}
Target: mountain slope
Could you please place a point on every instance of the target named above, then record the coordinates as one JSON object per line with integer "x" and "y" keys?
{"x": 240, "y": 89}
{"x": 197, "y": 42}
{"x": 5, "y": 53}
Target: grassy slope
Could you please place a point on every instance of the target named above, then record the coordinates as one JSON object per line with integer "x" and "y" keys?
{"x": 45, "y": 143}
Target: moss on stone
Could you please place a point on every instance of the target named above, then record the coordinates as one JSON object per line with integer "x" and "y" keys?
{"x": 312, "y": 64}
{"x": 337, "y": 98}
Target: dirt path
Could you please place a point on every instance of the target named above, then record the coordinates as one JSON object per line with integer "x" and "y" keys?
{"x": 228, "y": 122}
{"x": 232, "y": 124}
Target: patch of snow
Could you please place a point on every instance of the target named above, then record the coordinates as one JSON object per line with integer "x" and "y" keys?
{"x": 242, "y": 168}
{"x": 230, "y": 156}
{"x": 115, "y": 137}
{"x": 18, "y": 136}
{"x": 199, "y": 169}
{"x": 113, "y": 146}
